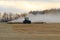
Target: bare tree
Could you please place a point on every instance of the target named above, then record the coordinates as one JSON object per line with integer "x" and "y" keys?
{"x": 24, "y": 15}
{"x": 5, "y": 17}
{"x": 10, "y": 16}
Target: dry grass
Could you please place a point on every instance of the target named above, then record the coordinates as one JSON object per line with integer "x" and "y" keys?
{"x": 38, "y": 28}
{"x": 29, "y": 31}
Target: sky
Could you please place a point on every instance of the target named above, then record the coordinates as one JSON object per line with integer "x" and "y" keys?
{"x": 29, "y": 5}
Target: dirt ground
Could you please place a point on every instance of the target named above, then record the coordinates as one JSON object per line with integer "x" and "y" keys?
{"x": 29, "y": 31}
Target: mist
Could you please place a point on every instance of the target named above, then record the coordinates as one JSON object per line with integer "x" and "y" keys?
{"x": 48, "y": 18}
{"x": 45, "y": 18}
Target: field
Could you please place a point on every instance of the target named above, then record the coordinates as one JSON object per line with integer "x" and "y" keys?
{"x": 30, "y": 31}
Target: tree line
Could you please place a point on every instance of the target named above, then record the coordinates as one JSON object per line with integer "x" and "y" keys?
{"x": 5, "y": 17}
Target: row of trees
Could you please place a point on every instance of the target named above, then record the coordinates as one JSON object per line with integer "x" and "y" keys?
{"x": 36, "y": 12}
{"x": 5, "y": 17}
{"x": 8, "y": 17}
{"x": 45, "y": 11}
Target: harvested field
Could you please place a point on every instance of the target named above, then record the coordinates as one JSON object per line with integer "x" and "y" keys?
{"x": 30, "y": 31}
{"x": 38, "y": 28}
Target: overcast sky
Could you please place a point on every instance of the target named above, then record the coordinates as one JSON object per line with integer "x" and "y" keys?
{"x": 34, "y": 0}
{"x": 31, "y": 4}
